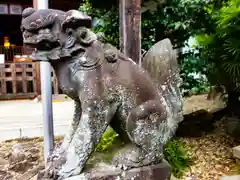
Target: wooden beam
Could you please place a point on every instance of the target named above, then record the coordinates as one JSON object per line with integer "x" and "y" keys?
{"x": 130, "y": 29}
{"x": 35, "y": 4}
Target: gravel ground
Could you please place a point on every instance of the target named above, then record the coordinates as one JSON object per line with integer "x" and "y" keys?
{"x": 212, "y": 153}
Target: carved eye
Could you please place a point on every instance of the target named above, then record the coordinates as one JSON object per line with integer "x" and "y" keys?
{"x": 33, "y": 25}
{"x": 83, "y": 34}
{"x": 69, "y": 32}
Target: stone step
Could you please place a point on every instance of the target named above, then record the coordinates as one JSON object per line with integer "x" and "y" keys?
{"x": 55, "y": 98}
{"x": 173, "y": 178}
{"x": 236, "y": 152}
{"x": 230, "y": 177}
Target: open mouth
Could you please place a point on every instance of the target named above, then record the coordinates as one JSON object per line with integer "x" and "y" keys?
{"x": 43, "y": 49}
{"x": 43, "y": 45}
{"x": 47, "y": 45}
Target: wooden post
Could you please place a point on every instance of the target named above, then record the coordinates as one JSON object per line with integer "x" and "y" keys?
{"x": 130, "y": 29}
{"x": 35, "y": 4}
{"x": 38, "y": 78}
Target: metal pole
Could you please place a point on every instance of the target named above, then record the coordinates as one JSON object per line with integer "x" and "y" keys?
{"x": 46, "y": 94}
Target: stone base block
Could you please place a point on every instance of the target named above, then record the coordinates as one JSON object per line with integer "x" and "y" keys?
{"x": 236, "y": 152}
{"x": 160, "y": 171}
{"x": 230, "y": 178}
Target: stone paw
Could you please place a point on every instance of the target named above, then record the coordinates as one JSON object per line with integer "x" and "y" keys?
{"x": 57, "y": 160}
{"x": 48, "y": 174}
{"x": 133, "y": 160}
{"x": 56, "y": 154}
{"x": 125, "y": 163}
{"x": 122, "y": 167}
{"x": 66, "y": 174}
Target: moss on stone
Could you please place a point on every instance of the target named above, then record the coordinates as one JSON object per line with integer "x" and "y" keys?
{"x": 106, "y": 149}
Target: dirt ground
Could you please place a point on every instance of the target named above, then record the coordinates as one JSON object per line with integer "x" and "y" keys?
{"x": 212, "y": 153}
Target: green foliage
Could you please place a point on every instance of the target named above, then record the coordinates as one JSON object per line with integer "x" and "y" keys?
{"x": 222, "y": 48}
{"x": 177, "y": 20}
{"x": 178, "y": 157}
{"x": 181, "y": 19}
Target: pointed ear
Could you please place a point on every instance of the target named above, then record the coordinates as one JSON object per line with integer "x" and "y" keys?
{"x": 74, "y": 19}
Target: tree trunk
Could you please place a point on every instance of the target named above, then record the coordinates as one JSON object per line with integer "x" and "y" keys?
{"x": 233, "y": 104}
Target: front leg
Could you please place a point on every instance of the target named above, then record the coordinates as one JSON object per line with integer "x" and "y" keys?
{"x": 58, "y": 151}
{"x": 96, "y": 116}
{"x": 145, "y": 127}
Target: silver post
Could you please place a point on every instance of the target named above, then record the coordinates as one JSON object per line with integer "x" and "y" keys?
{"x": 46, "y": 94}
{"x": 46, "y": 89}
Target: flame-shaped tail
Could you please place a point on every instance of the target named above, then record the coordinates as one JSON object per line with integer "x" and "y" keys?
{"x": 161, "y": 63}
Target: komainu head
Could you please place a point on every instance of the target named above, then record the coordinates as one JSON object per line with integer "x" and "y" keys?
{"x": 55, "y": 34}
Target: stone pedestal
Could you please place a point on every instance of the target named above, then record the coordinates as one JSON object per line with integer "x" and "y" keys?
{"x": 236, "y": 152}
{"x": 160, "y": 171}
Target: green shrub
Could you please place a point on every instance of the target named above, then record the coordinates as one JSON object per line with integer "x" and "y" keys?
{"x": 177, "y": 156}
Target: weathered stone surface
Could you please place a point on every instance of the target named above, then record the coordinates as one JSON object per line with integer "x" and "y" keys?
{"x": 236, "y": 152}
{"x": 161, "y": 171}
{"x": 230, "y": 178}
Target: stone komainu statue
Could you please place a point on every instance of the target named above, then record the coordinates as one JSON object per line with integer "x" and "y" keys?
{"x": 142, "y": 104}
